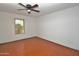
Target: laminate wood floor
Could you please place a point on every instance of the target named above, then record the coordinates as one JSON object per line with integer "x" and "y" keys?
{"x": 36, "y": 47}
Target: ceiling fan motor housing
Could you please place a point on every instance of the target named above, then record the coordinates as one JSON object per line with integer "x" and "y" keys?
{"x": 28, "y": 6}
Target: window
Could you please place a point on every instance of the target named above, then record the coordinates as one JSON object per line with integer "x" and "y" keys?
{"x": 19, "y": 26}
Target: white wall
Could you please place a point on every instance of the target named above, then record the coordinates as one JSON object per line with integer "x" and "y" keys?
{"x": 61, "y": 27}
{"x": 7, "y": 31}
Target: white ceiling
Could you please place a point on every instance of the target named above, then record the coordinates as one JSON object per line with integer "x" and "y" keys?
{"x": 44, "y": 8}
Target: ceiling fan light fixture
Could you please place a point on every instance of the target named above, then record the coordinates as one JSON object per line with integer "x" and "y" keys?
{"x": 28, "y": 10}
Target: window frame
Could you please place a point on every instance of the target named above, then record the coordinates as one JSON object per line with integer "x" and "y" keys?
{"x": 15, "y": 25}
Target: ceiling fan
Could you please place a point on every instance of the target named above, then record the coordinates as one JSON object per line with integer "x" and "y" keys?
{"x": 29, "y": 7}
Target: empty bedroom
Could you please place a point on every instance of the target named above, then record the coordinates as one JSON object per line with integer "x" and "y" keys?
{"x": 39, "y": 29}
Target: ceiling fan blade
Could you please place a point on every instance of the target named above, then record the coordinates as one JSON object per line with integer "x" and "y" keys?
{"x": 35, "y": 10}
{"x": 34, "y": 6}
{"x": 22, "y": 5}
{"x": 21, "y": 9}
